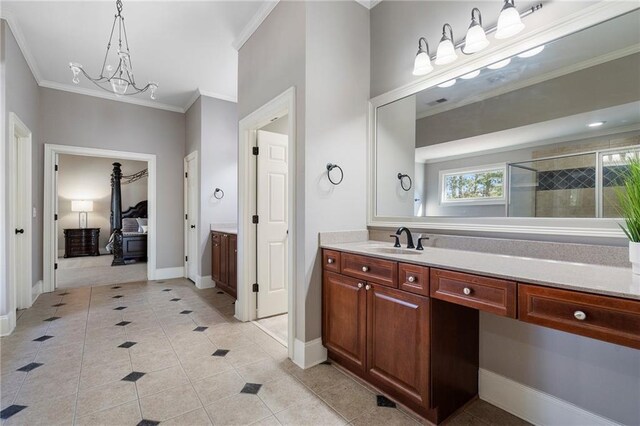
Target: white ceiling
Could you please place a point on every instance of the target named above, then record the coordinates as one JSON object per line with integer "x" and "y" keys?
{"x": 186, "y": 46}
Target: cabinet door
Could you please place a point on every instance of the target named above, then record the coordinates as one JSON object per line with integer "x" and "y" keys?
{"x": 224, "y": 259}
{"x": 233, "y": 269}
{"x": 344, "y": 319}
{"x": 215, "y": 257}
{"x": 398, "y": 343}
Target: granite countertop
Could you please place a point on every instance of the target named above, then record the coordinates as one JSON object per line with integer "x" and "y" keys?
{"x": 227, "y": 229}
{"x": 606, "y": 280}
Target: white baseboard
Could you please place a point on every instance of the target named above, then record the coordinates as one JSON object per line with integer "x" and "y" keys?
{"x": 204, "y": 282}
{"x": 169, "y": 273}
{"x": 533, "y": 405}
{"x": 36, "y": 291}
{"x": 308, "y": 354}
{"x": 7, "y": 323}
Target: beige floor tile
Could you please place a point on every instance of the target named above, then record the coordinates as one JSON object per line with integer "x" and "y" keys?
{"x": 262, "y": 371}
{"x": 244, "y": 355}
{"x": 170, "y": 403}
{"x": 310, "y": 413}
{"x": 160, "y": 380}
{"x": 269, "y": 421}
{"x": 218, "y": 387}
{"x": 494, "y": 415}
{"x": 197, "y": 417}
{"x": 100, "y": 375}
{"x": 49, "y": 411}
{"x": 349, "y": 399}
{"x": 320, "y": 377}
{"x": 101, "y": 397}
{"x": 283, "y": 393}
{"x": 33, "y": 391}
{"x": 153, "y": 361}
{"x": 466, "y": 419}
{"x": 240, "y": 409}
{"x": 125, "y": 414}
{"x": 202, "y": 367}
{"x": 384, "y": 416}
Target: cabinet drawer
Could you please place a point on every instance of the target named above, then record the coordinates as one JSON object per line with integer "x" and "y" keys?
{"x": 331, "y": 260}
{"x": 381, "y": 271}
{"x": 413, "y": 278}
{"x": 600, "y": 317}
{"x": 486, "y": 294}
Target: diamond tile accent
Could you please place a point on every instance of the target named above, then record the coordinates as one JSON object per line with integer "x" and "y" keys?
{"x": 64, "y": 294}
{"x": 159, "y": 282}
{"x": 118, "y": 296}
{"x": 57, "y": 305}
{"x": 127, "y": 344}
{"x": 133, "y": 376}
{"x": 251, "y": 388}
{"x": 123, "y": 323}
{"x": 30, "y": 366}
{"x": 221, "y": 292}
{"x": 583, "y": 177}
{"x": 383, "y": 401}
{"x": 115, "y": 287}
{"x": 221, "y": 352}
{"x": 119, "y": 308}
{"x": 43, "y": 338}
{"x": 200, "y": 328}
{"x": 326, "y": 362}
{"x": 51, "y": 319}
{"x": 186, "y": 312}
{"x": 145, "y": 422}
{"x": 167, "y": 289}
{"x": 11, "y": 410}
{"x": 175, "y": 299}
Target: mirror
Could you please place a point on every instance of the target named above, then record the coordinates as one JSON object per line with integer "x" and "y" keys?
{"x": 546, "y": 133}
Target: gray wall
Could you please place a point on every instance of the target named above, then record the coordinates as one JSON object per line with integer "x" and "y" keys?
{"x": 596, "y": 376}
{"x": 78, "y": 120}
{"x": 20, "y": 96}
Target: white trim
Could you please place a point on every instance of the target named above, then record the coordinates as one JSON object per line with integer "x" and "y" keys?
{"x": 285, "y": 103}
{"x": 308, "y": 354}
{"x": 49, "y": 239}
{"x": 553, "y": 30}
{"x": 22, "y": 44}
{"x": 209, "y": 94}
{"x": 7, "y": 323}
{"x": 369, "y": 4}
{"x": 19, "y": 295}
{"x": 185, "y": 188}
{"x": 533, "y": 405}
{"x": 254, "y": 23}
{"x": 169, "y": 273}
{"x": 203, "y": 282}
{"x": 36, "y": 291}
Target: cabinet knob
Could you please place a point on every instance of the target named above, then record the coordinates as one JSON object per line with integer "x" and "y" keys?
{"x": 367, "y": 287}
{"x": 467, "y": 291}
{"x": 365, "y": 269}
{"x": 329, "y": 261}
{"x": 580, "y": 316}
{"x": 411, "y": 278}
{"x": 359, "y": 285}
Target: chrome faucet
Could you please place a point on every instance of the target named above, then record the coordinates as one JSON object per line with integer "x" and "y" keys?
{"x": 409, "y": 237}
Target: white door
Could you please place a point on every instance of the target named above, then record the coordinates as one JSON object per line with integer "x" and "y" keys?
{"x": 55, "y": 222}
{"x": 191, "y": 219}
{"x": 273, "y": 225}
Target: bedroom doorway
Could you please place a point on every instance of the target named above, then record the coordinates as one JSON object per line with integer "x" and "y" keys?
{"x": 191, "y": 216}
{"x": 79, "y": 220}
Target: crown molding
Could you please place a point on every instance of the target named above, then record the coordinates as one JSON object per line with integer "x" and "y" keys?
{"x": 105, "y": 95}
{"x": 17, "y": 34}
{"x": 369, "y": 4}
{"x": 209, "y": 94}
{"x": 254, "y": 23}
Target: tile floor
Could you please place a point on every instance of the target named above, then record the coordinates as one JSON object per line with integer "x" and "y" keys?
{"x": 163, "y": 351}
{"x": 276, "y": 326}
{"x": 96, "y": 270}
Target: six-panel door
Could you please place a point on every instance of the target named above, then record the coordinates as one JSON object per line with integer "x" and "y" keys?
{"x": 398, "y": 342}
{"x": 344, "y": 318}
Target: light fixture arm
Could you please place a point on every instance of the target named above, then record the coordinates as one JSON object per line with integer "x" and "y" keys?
{"x": 444, "y": 36}
{"x": 473, "y": 19}
{"x": 426, "y": 44}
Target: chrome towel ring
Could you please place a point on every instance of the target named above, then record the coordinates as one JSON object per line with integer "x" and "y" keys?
{"x": 218, "y": 194}
{"x": 403, "y": 178}
{"x": 330, "y": 167}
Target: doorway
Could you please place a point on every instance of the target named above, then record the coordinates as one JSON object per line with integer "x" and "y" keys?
{"x": 191, "y": 215}
{"x": 266, "y": 208}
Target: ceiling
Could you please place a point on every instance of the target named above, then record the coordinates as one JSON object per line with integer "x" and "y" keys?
{"x": 188, "y": 47}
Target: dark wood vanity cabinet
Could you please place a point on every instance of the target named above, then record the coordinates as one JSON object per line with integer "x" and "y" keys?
{"x": 224, "y": 250}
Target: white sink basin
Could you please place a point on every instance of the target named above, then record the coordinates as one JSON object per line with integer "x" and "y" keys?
{"x": 396, "y": 250}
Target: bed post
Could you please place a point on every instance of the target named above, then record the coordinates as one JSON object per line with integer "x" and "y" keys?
{"x": 116, "y": 215}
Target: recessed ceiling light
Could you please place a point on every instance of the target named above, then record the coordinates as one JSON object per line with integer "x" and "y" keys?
{"x": 472, "y": 74}
{"x": 500, "y": 64}
{"x": 532, "y": 52}
{"x": 596, "y": 124}
{"x": 447, "y": 83}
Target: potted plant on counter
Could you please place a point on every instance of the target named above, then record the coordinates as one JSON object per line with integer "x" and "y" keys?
{"x": 629, "y": 199}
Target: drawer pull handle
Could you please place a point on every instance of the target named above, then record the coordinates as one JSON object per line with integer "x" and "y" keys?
{"x": 329, "y": 261}
{"x": 411, "y": 278}
{"x": 466, "y": 291}
{"x": 367, "y": 287}
{"x": 365, "y": 269}
{"x": 580, "y": 316}
{"x": 359, "y": 285}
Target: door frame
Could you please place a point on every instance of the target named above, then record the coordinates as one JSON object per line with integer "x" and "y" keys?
{"x": 190, "y": 157}
{"x": 247, "y": 268}
{"x": 20, "y": 296}
{"x": 49, "y": 238}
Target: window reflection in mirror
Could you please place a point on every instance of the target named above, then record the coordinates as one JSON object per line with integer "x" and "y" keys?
{"x": 544, "y": 134}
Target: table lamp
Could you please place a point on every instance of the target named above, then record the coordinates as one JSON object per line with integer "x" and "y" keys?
{"x": 82, "y": 207}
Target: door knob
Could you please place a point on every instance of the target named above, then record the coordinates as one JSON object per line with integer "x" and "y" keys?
{"x": 19, "y": 231}
{"x": 193, "y": 227}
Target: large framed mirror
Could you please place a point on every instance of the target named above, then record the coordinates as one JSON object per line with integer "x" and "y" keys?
{"x": 534, "y": 140}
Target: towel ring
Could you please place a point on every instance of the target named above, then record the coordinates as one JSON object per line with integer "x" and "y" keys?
{"x": 216, "y": 192}
{"x": 402, "y": 177}
{"x": 330, "y": 167}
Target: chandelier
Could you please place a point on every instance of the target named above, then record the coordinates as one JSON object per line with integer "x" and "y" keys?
{"x": 118, "y": 80}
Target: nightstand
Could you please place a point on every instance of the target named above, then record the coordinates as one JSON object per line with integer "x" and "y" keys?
{"x": 81, "y": 242}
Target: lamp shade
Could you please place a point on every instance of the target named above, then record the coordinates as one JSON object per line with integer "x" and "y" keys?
{"x": 422, "y": 64}
{"x": 509, "y": 23}
{"x": 81, "y": 206}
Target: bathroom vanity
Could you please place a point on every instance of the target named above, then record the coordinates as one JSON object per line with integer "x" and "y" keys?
{"x": 407, "y": 321}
